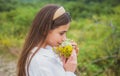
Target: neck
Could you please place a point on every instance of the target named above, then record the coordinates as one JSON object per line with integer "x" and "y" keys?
{"x": 42, "y": 45}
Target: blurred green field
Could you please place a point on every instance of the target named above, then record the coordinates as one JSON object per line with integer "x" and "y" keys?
{"x": 95, "y": 27}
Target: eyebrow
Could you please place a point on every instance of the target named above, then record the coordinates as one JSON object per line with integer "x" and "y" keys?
{"x": 63, "y": 31}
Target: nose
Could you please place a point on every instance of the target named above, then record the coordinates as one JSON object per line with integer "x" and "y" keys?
{"x": 64, "y": 38}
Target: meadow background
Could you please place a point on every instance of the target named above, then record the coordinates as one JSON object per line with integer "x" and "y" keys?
{"x": 95, "y": 27}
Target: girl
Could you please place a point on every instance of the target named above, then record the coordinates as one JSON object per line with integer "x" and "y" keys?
{"x": 48, "y": 30}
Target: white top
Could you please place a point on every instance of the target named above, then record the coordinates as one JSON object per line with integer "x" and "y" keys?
{"x": 47, "y": 63}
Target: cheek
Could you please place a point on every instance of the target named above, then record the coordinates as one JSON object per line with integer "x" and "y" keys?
{"x": 53, "y": 40}
{"x": 55, "y": 37}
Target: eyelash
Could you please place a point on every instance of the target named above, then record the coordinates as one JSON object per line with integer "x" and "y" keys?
{"x": 61, "y": 33}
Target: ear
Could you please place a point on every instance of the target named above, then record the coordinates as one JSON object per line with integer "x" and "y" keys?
{"x": 47, "y": 32}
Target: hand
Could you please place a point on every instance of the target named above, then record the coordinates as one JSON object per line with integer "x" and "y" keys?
{"x": 75, "y": 47}
{"x": 70, "y": 64}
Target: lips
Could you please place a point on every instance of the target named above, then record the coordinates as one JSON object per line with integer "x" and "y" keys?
{"x": 59, "y": 43}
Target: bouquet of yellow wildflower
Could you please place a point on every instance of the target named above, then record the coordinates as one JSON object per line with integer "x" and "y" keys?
{"x": 65, "y": 49}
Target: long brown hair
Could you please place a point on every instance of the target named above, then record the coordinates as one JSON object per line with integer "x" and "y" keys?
{"x": 42, "y": 23}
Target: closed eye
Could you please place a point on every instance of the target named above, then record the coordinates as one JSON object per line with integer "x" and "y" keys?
{"x": 63, "y": 32}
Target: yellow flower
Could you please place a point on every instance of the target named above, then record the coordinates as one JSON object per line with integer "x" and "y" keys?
{"x": 65, "y": 49}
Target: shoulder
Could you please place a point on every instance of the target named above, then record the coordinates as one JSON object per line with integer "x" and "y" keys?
{"x": 43, "y": 58}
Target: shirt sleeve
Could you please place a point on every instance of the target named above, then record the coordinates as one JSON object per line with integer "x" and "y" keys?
{"x": 70, "y": 73}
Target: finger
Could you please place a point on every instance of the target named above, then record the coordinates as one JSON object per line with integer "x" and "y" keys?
{"x": 72, "y": 59}
{"x": 77, "y": 50}
{"x": 73, "y": 55}
{"x": 63, "y": 59}
{"x": 74, "y": 44}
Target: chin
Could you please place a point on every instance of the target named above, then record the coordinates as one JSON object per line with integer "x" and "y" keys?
{"x": 55, "y": 45}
